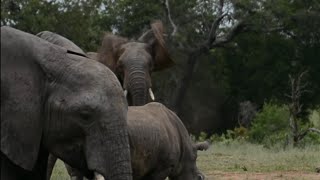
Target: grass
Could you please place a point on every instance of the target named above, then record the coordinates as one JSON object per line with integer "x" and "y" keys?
{"x": 240, "y": 157}
{"x": 245, "y": 158}
{"x": 60, "y": 172}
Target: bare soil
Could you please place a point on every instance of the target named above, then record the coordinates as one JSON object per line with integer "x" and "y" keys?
{"x": 292, "y": 175}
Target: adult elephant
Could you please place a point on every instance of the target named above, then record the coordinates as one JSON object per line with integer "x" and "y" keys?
{"x": 133, "y": 61}
{"x": 69, "y": 45}
{"x": 53, "y": 100}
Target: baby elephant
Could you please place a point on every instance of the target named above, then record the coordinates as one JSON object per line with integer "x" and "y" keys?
{"x": 160, "y": 145}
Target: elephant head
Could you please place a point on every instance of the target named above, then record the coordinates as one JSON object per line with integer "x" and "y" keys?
{"x": 134, "y": 61}
{"x": 58, "y": 101}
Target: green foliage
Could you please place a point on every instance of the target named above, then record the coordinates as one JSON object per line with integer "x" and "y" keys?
{"x": 314, "y": 118}
{"x": 270, "y": 125}
{"x": 203, "y": 136}
{"x": 131, "y": 17}
{"x": 254, "y": 66}
{"x": 239, "y": 134}
{"x": 79, "y": 21}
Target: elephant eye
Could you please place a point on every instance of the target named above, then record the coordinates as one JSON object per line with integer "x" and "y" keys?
{"x": 86, "y": 115}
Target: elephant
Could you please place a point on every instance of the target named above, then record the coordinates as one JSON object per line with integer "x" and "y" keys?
{"x": 133, "y": 61}
{"x": 160, "y": 145}
{"x": 54, "y": 100}
{"x": 72, "y": 48}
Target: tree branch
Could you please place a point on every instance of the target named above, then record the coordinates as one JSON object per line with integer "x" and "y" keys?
{"x": 236, "y": 29}
{"x": 214, "y": 27}
{"x": 302, "y": 135}
{"x": 175, "y": 28}
{"x": 215, "y": 24}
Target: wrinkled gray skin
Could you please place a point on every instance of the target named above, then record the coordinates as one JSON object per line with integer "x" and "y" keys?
{"x": 134, "y": 61}
{"x": 71, "y": 48}
{"x": 160, "y": 145}
{"x": 61, "y": 41}
{"x": 56, "y": 101}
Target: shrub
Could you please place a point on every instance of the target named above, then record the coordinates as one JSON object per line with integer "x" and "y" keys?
{"x": 314, "y": 118}
{"x": 270, "y": 124}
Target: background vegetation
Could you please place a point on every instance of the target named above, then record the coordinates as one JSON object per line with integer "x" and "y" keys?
{"x": 233, "y": 58}
{"x": 231, "y": 83}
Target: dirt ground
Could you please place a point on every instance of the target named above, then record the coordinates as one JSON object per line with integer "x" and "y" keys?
{"x": 219, "y": 175}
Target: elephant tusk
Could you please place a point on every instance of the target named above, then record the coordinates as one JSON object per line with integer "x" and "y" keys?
{"x": 98, "y": 176}
{"x": 125, "y": 92}
{"x": 151, "y": 94}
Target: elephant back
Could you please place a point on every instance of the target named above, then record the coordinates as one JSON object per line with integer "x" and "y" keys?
{"x": 61, "y": 41}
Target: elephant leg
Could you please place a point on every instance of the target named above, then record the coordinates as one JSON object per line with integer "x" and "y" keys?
{"x": 74, "y": 173}
{"x": 51, "y": 162}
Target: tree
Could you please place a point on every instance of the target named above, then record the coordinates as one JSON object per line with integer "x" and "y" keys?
{"x": 78, "y": 20}
{"x": 298, "y": 88}
{"x": 211, "y": 25}
{"x": 242, "y": 66}
{"x": 229, "y": 50}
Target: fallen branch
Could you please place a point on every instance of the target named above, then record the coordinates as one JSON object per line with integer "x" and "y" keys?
{"x": 314, "y": 130}
{"x": 302, "y": 135}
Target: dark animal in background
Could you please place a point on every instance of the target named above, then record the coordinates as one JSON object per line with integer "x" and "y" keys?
{"x": 55, "y": 101}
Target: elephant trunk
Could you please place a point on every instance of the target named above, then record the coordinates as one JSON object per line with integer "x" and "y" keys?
{"x": 112, "y": 143}
{"x": 139, "y": 87}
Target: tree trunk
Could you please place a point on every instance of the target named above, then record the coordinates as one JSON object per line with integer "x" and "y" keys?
{"x": 185, "y": 81}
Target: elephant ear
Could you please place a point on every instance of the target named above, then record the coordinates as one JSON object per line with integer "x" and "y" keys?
{"x": 155, "y": 38}
{"x": 61, "y": 41}
{"x": 109, "y": 51}
{"x": 22, "y": 94}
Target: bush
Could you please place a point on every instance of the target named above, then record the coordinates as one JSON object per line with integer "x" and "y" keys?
{"x": 315, "y": 118}
{"x": 270, "y": 125}
{"x": 239, "y": 134}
